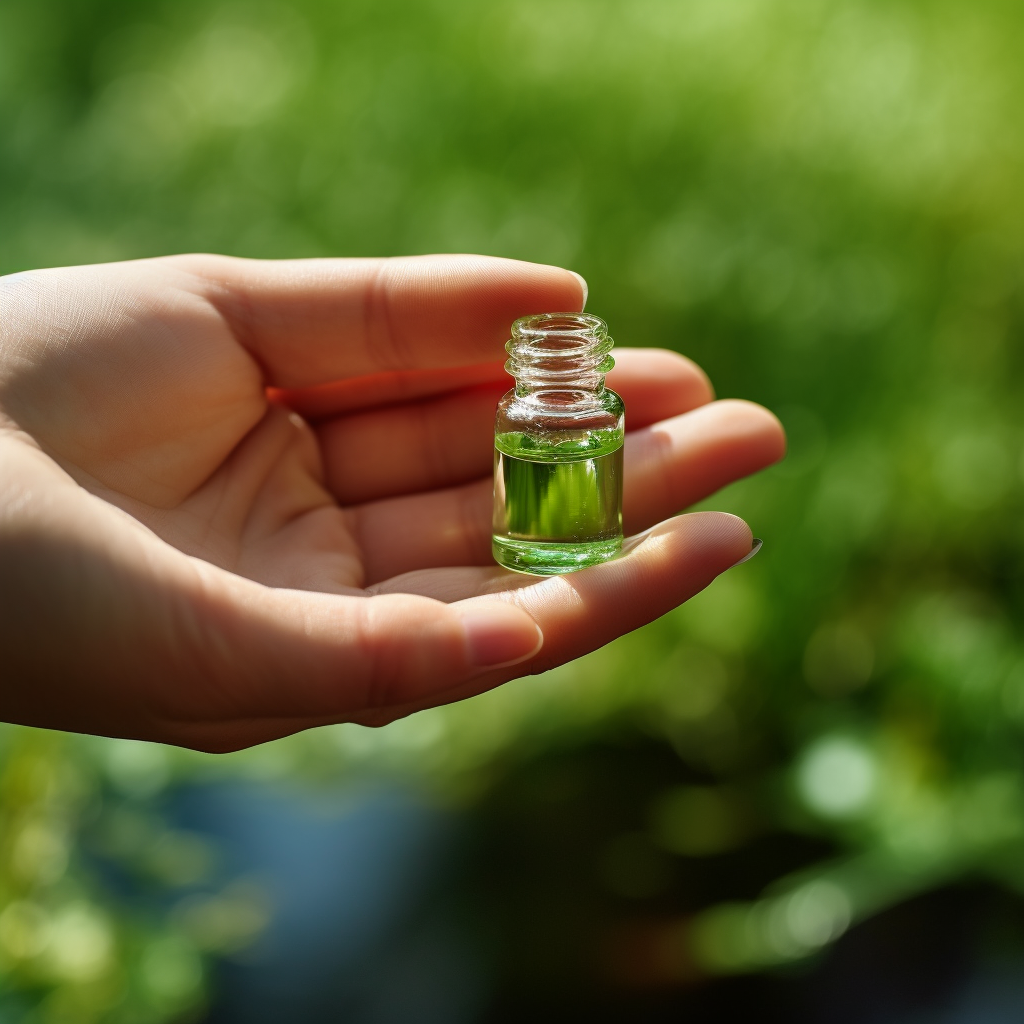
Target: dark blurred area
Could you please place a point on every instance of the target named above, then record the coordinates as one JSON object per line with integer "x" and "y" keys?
{"x": 801, "y": 795}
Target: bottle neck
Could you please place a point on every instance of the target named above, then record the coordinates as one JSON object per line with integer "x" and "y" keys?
{"x": 560, "y": 359}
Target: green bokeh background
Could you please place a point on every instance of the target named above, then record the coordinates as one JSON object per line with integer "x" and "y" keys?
{"x": 818, "y": 201}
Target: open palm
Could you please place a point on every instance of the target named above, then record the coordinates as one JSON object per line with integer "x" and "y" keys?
{"x": 303, "y": 450}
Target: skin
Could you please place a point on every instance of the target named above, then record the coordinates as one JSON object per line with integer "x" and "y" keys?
{"x": 241, "y": 498}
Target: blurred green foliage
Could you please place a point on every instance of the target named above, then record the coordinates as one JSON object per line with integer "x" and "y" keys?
{"x": 817, "y": 199}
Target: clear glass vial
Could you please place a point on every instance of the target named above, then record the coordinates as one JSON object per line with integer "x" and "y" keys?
{"x": 558, "y": 448}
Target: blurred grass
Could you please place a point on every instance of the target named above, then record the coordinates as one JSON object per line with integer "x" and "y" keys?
{"x": 819, "y": 201}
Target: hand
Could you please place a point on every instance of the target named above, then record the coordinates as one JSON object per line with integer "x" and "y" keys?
{"x": 230, "y": 489}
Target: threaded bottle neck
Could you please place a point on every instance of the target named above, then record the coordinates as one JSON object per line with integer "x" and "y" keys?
{"x": 559, "y": 353}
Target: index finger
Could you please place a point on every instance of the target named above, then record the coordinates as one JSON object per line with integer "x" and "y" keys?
{"x": 309, "y": 322}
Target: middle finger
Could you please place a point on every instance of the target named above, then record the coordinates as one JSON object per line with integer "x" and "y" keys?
{"x": 448, "y": 440}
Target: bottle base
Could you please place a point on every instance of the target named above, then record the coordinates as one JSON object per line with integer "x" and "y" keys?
{"x": 552, "y": 558}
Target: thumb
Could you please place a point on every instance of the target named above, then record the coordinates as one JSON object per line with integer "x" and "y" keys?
{"x": 273, "y": 661}
{"x": 105, "y": 628}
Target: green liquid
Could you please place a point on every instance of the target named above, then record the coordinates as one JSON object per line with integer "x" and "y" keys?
{"x": 557, "y": 507}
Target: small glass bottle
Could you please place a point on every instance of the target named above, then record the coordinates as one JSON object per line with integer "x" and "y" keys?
{"x": 558, "y": 448}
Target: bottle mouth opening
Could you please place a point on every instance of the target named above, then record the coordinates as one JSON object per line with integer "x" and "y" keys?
{"x": 558, "y": 336}
{"x": 572, "y": 324}
{"x": 559, "y": 332}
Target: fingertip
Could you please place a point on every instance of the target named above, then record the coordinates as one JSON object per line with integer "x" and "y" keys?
{"x": 701, "y": 382}
{"x": 657, "y": 384}
{"x": 681, "y": 371}
{"x": 727, "y": 533}
{"x": 496, "y": 291}
{"x": 774, "y": 434}
{"x": 584, "y": 290}
{"x": 762, "y": 424}
{"x": 715, "y": 541}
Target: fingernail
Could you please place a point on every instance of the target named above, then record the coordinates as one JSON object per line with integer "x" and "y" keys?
{"x": 498, "y": 635}
{"x": 583, "y": 285}
{"x": 755, "y": 547}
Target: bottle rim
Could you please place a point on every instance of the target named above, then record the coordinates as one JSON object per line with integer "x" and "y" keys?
{"x": 559, "y": 346}
{"x": 568, "y": 325}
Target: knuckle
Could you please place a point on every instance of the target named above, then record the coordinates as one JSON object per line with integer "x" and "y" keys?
{"x": 402, "y": 648}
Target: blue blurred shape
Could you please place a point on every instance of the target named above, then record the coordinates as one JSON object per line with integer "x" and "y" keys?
{"x": 357, "y": 932}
